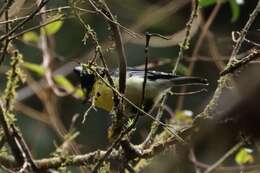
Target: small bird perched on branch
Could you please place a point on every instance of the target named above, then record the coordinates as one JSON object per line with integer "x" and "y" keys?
{"x": 157, "y": 84}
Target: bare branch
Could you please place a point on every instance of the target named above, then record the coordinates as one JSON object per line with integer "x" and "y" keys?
{"x": 19, "y": 25}
{"x": 224, "y": 157}
{"x": 185, "y": 43}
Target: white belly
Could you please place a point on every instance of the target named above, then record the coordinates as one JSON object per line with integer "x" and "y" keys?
{"x": 134, "y": 88}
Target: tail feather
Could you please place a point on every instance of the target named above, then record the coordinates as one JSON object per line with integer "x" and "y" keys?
{"x": 189, "y": 80}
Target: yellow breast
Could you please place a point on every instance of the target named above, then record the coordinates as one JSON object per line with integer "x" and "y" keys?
{"x": 103, "y": 96}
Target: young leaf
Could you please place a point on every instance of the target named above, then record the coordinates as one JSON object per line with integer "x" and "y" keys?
{"x": 184, "y": 116}
{"x": 31, "y": 37}
{"x": 244, "y": 156}
{"x": 60, "y": 80}
{"x": 78, "y": 93}
{"x": 235, "y": 10}
{"x": 234, "y": 5}
{"x": 206, "y": 3}
{"x": 53, "y": 27}
{"x": 36, "y": 68}
{"x": 63, "y": 82}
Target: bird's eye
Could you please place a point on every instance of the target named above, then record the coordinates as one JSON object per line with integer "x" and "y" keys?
{"x": 98, "y": 94}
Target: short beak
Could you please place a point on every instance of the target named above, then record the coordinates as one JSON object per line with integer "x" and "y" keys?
{"x": 78, "y": 69}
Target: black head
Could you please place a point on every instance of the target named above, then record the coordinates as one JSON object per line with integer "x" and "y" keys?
{"x": 87, "y": 79}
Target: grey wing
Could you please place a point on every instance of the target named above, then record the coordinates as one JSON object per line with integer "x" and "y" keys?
{"x": 152, "y": 75}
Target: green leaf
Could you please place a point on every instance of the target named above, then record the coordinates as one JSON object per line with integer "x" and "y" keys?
{"x": 206, "y": 3}
{"x": 31, "y": 37}
{"x": 59, "y": 80}
{"x": 185, "y": 116}
{"x": 244, "y": 156}
{"x": 53, "y": 27}
{"x": 63, "y": 82}
{"x": 36, "y": 68}
{"x": 235, "y": 10}
{"x": 233, "y": 5}
{"x": 78, "y": 93}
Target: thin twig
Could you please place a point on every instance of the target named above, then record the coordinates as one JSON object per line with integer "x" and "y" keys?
{"x": 205, "y": 29}
{"x": 147, "y": 44}
{"x": 9, "y": 137}
{"x": 6, "y": 169}
{"x": 6, "y": 43}
{"x": 59, "y": 18}
{"x": 243, "y": 33}
{"x": 25, "y": 149}
{"x": 252, "y": 42}
{"x": 154, "y": 127}
{"x": 188, "y": 93}
{"x": 59, "y": 9}
{"x": 5, "y": 6}
{"x": 19, "y": 25}
{"x": 224, "y": 157}
{"x": 220, "y": 168}
{"x": 185, "y": 43}
{"x": 109, "y": 17}
{"x": 119, "y": 45}
{"x": 146, "y": 49}
{"x": 252, "y": 56}
{"x": 214, "y": 51}
{"x": 114, "y": 145}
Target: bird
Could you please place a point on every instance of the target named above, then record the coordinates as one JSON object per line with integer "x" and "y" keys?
{"x": 157, "y": 84}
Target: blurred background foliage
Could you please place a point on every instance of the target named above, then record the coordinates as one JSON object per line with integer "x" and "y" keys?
{"x": 138, "y": 15}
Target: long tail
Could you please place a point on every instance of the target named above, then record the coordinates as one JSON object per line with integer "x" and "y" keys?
{"x": 189, "y": 80}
